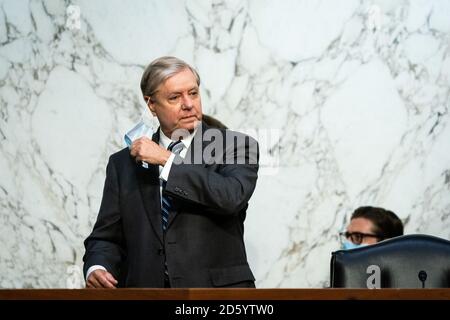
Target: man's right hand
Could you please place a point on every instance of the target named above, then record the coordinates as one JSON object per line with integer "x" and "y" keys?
{"x": 101, "y": 279}
{"x": 144, "y": 149}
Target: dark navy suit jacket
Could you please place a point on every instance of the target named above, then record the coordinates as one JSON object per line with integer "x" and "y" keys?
{"x": 203, "y": 245}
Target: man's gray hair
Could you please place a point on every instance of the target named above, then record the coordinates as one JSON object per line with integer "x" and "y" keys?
{"x": 160, "y": 70}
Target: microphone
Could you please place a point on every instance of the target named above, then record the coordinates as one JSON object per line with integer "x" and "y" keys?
{"x": 422, "y": 277}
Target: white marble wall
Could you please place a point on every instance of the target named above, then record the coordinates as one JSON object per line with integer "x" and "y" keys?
{"x": 359, "y": 89}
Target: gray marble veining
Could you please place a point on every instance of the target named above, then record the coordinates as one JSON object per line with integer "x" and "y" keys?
{"x": 350, "y": 99}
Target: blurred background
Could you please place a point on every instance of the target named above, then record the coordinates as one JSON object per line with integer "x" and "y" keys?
{"x": 349, "y": 100}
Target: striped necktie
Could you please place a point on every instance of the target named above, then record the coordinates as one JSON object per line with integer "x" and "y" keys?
{"x": 166, "y": 203}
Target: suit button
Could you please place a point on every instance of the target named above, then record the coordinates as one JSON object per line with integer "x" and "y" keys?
{"x": 160, "y": 251}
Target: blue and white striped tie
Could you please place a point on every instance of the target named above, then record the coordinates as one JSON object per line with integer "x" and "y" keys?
{"x": 166, "y": 203}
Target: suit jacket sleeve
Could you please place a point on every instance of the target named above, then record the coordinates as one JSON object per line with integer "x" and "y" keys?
{"x": 104, "y": 246}
{"x": 226, "y": 188}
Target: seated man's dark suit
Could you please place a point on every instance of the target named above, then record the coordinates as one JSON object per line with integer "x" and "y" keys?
{"x": 203, "y": 245}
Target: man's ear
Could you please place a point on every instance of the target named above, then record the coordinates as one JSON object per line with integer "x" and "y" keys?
{"x": 150, "y": 104}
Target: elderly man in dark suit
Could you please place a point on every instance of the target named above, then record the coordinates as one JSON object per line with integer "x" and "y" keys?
{"x": 178, "y": 221}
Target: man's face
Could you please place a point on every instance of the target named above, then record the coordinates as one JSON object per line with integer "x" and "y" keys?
{"x": 364, "y": 231}
{"x": 177, "y": 103}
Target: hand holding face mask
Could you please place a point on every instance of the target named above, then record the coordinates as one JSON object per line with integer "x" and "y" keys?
{"x": 139, "y": 130}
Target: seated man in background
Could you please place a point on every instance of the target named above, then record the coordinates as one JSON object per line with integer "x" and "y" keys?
{"x": 369, "y": 225}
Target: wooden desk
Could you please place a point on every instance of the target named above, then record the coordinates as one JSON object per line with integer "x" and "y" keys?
{"x": 224, "y": 294}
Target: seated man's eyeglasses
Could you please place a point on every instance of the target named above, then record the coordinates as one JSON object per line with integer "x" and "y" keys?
{"x": 357, "y": 237}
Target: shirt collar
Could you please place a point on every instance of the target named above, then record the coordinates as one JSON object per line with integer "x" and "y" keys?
{"x": 164, "y": 141}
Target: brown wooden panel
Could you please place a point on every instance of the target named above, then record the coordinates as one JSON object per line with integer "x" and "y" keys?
{"x": 224, "y": 294}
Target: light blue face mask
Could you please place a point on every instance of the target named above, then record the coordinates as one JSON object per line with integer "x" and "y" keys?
{"x": 346, "y": 245}
{"x": 138, "y": 131}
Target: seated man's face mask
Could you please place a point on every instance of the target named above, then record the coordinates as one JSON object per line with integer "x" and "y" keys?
{"x": 347, "y": 244}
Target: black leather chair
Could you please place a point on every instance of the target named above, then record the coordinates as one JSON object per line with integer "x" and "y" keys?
{"x": 410, "y": 261}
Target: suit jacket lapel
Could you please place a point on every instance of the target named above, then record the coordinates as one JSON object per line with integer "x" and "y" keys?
{"x": 149, "y": 185}
{"x": 194, "y": 153}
